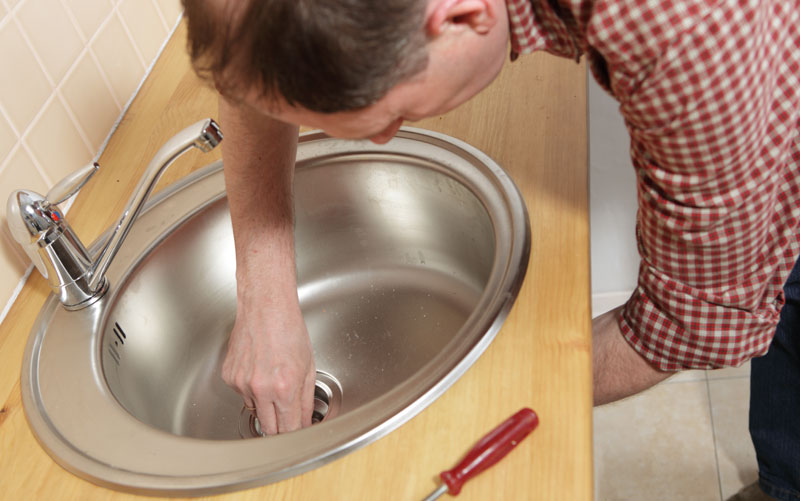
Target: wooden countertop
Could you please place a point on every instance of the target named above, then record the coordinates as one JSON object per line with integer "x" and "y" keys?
{"x": 532, "y": 120}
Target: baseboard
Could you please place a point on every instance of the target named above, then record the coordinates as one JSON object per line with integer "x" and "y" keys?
{"x": 604, "y": 301}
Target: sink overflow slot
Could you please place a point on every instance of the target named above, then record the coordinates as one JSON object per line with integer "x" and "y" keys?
{"x": 121, "y": 337}
{"x": 120, "y": 333}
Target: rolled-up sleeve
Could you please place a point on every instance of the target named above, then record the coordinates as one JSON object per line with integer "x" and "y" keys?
{"x": 710, "y": 93}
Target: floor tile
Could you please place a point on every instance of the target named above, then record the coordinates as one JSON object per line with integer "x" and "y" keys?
{"x": 735, "y": 454}
{"x": 656, "y": 446}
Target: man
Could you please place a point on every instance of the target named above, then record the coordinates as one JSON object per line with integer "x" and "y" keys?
{"x": 710, "y": 94}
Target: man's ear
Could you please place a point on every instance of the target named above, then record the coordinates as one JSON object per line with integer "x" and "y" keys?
{"x": 480, "y": 15}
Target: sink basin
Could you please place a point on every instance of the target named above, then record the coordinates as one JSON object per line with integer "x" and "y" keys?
{"x": 409, "y": 256}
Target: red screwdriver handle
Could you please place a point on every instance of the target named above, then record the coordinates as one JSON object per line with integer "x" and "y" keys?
{"x": 491, "y": 449}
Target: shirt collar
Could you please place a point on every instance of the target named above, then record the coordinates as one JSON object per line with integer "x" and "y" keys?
{"x": 538, "y": 25}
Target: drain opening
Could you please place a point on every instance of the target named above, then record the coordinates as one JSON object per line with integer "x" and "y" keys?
{"x": 327, "y": 398}
{"x": 322, "y": 401}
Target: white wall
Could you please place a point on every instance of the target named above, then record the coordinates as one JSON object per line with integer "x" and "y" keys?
{"x": 612, "y": 201}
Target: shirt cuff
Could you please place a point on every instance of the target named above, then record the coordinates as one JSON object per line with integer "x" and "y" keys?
{"x": 676, "y": 330}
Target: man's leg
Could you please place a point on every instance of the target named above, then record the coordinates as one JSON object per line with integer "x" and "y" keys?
{"x": 775, "y": 402}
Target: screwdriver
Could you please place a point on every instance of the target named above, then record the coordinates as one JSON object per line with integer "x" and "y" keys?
{"x": 489, "y": 450}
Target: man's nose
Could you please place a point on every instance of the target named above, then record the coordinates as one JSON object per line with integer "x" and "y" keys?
{"x": 388, "y": 133}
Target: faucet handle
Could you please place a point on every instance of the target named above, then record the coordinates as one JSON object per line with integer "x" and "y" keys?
{"x": 27, "y": 224}
{"x": 70, "y": 185}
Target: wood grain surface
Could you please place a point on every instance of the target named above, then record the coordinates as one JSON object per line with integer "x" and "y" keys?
{"x": 532, "y": 121}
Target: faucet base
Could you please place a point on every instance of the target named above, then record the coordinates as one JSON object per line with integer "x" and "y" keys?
{"x": 98, "y": 294}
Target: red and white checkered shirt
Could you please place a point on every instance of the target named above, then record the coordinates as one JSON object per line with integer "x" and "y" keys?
{"x": 710, "y": 93}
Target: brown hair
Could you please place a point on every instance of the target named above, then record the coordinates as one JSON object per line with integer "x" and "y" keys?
{"x": 324, "y": 55}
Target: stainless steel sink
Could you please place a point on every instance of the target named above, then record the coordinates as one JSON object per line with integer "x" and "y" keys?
{"x": 409, "y": 257}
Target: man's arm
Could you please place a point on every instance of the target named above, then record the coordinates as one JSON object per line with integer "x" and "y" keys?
{"x": 619, "y": 371}
{"x": 269, "y": 360}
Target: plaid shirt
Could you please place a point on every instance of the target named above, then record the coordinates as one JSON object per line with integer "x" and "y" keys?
{"x": 710, "y": 93}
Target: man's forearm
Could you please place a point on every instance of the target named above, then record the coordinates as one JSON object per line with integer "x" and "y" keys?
{"x": 619, "y": 371}
{"x": 259, "y": 154}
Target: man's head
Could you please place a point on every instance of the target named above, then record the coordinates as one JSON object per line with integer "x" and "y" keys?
{"x": 356, "y": 68}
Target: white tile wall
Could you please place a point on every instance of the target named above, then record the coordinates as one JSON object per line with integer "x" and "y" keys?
{"x": 69, "y": 68}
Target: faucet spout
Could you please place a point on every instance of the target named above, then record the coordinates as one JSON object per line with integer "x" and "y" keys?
{"x": 39, "y": 227}
{"x": 204, "y": 135}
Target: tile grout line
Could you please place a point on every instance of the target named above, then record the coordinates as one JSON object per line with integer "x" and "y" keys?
{"x": 75, "y": 25}
{"x": 55, "y": 94}
{"x": 104, "y": 76}
{"x": 14, "y": 147}
{"x": 130, "y": 36}
{"x": 12, "y": 8}
{"x": 85, "y": 52}
{"x": 82, "y": 134}
{"x": 714, "y": 436}
{"x": 23, "y": 138}
{"x": 147, "y": 71}
{"x": 5, "y": 19}
{"x": 89, "y": 47}
{"x": 23, "y": 144}
{"x": 161, "y": 16}
{"x": 36, "y": 57}
{"x": 88, "y": 52}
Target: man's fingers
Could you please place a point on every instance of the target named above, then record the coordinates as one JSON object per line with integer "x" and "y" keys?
{"x": 289, "y": 414}
{"x": 267, "y": 419}
{"x": 307, "y": 398}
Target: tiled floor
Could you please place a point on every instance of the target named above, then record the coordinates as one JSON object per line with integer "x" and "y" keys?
{"x": 684, "y": 439}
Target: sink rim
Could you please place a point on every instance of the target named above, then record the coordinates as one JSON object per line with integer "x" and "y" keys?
{"x": 487, "y": 316}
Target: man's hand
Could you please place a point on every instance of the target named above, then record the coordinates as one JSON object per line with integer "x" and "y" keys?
{"x": 269, "y": 352}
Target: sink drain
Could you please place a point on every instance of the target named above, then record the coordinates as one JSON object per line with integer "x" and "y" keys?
{"x": 322, "y": 403}
{"x": 327, "y": 400}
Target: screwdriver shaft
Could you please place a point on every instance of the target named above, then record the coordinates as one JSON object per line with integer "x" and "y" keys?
{"x": 433, "y": 496}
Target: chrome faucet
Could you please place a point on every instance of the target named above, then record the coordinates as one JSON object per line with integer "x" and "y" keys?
{"x": 37, "y": 224}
